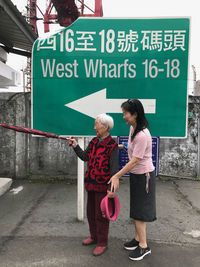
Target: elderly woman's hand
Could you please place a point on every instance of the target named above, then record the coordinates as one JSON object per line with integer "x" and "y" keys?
{"x": 114, "y": 180}
{"x": 72, "y": 141}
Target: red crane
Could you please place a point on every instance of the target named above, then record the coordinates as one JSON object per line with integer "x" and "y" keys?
{"x": 67, "y": 12}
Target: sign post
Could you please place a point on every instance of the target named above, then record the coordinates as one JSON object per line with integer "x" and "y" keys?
{"x": 80, "y": 182}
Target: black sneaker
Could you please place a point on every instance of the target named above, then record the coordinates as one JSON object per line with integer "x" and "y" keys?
{"x": 131, "y": 245}
{"x": 139, "y": 253}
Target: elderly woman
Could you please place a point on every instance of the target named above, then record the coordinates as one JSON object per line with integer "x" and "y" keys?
{"x": 142, "y": 177}
{"x": 102, "y": 162}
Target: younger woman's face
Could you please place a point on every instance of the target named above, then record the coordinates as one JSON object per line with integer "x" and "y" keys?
{"x": 129, "y": 118}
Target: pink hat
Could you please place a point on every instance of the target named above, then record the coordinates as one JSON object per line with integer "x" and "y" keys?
{"x": 110, "y": 207}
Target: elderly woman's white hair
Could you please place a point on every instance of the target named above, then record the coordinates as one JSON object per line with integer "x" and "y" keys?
{"x": 106, "y": 120}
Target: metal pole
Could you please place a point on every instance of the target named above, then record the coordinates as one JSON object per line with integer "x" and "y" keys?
{"x": 23, "y": 72}
{"x": 198, "y": 149}
{"x": 80, "y": 184}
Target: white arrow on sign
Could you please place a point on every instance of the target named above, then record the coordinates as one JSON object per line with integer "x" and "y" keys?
{"x": 97, "y": 103}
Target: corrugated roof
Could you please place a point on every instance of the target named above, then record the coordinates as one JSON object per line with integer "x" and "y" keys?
{"x": 15, "y": 32}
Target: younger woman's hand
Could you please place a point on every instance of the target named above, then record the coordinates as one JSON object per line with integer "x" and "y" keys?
{"x": 114, "y": 180}
{"x": 110, "y": 194}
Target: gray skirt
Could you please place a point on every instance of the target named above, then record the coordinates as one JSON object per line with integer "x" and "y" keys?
{"x": 143, "y": 201}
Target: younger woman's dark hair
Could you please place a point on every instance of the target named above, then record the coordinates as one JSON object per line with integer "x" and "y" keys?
{"x": 135, "y": 106}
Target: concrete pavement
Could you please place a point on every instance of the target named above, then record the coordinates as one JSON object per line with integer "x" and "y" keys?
{"x": 39, "y": 227}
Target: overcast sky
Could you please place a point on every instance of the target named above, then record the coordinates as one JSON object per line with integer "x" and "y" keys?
{"x": 144, "y": 8}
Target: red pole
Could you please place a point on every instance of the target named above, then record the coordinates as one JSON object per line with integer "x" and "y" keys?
{"x": 46, "y": 18}
{"x": 98, "y": 8}
{"x": 33, "y": 14}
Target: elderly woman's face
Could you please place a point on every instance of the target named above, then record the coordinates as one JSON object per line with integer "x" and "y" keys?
{"x": 100, "y": 129}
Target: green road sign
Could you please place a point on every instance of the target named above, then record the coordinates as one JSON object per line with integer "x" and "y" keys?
{"x": 94, "y": 65}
